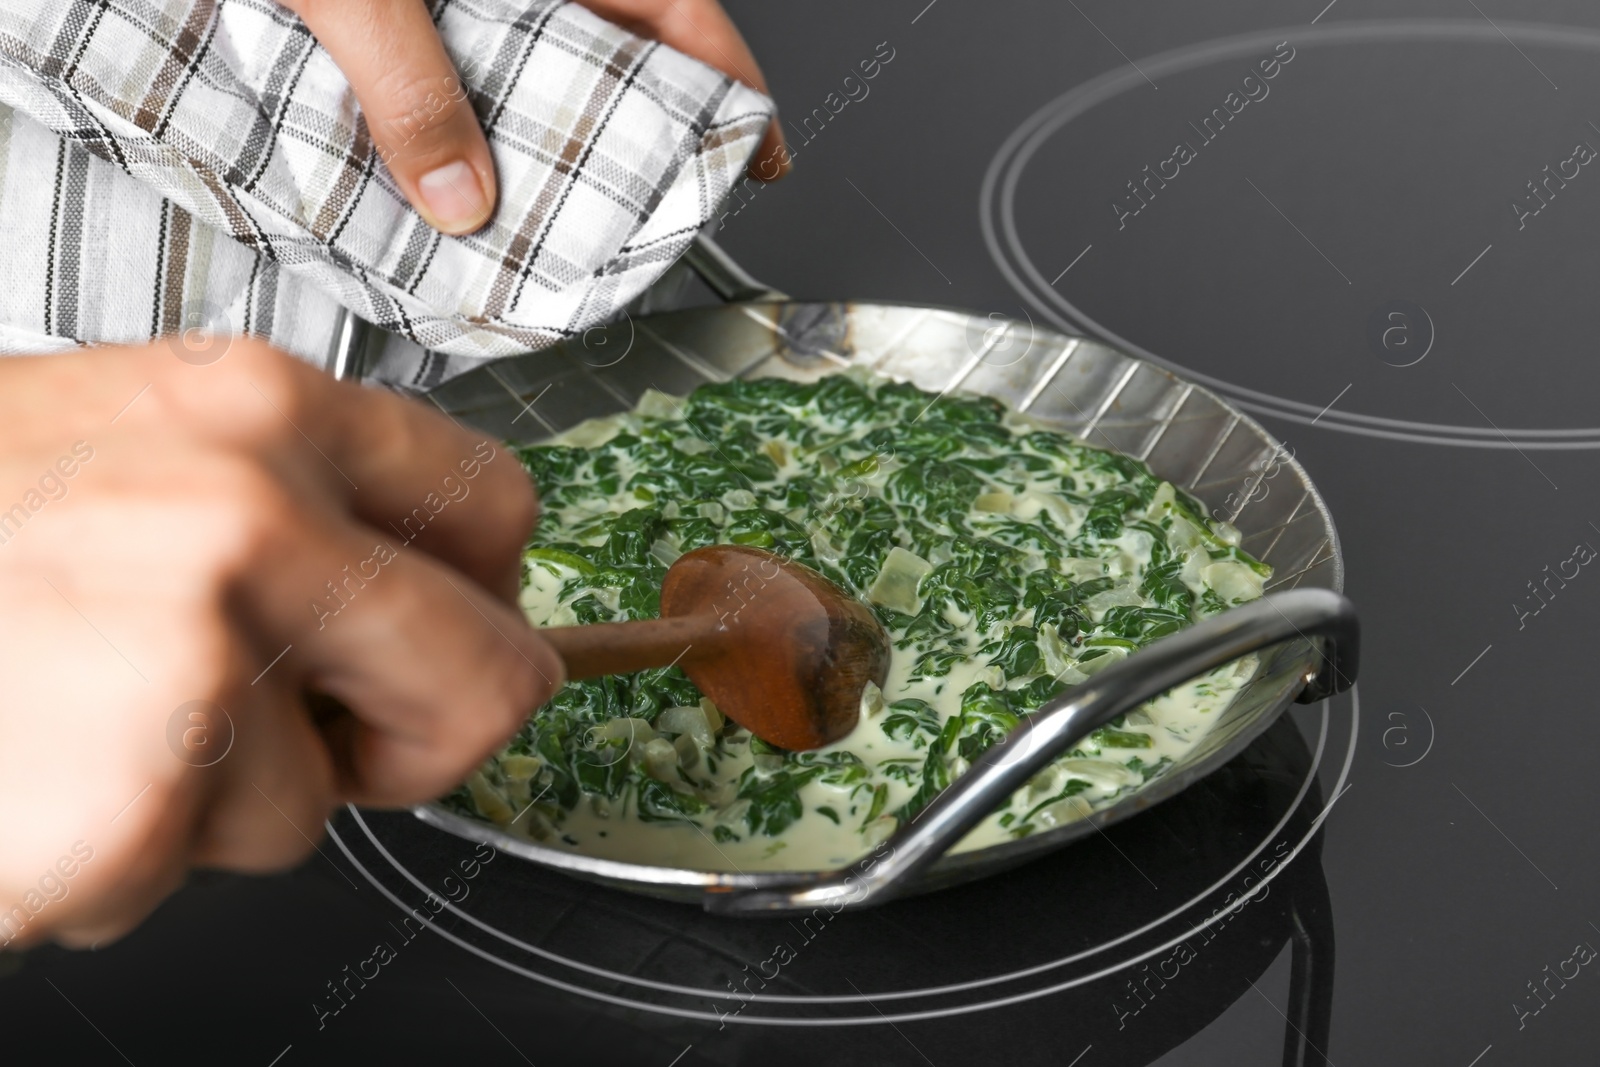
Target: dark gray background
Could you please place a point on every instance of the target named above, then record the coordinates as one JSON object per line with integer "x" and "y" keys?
{"x": 1395, "y": 162}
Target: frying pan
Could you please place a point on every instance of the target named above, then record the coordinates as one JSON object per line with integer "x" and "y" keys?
{"x": 1303, "y": 632}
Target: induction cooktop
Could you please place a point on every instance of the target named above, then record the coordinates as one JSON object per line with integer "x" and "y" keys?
{"x": 1372, "y": 227}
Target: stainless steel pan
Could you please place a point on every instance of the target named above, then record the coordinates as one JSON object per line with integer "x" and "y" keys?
{"x": 1187, "y": 434}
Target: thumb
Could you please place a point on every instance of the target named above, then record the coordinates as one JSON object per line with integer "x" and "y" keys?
{"x": 415, "y": 104}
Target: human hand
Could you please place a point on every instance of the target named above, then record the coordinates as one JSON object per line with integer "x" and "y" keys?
{"x": 700, "y": 28}
{"x": 418, "y": 113}
{"x": 236, "y": 534}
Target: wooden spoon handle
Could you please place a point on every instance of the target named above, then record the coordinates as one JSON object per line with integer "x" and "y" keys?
{"x": 625, "y": 647}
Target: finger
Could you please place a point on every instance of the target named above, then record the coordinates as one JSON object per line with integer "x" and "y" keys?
{"x": 453, "y": 493}
{"x": 98, "y": 814}
{"x": 700, "y": 28}
{"x": 120, "y": 910}
{"x": 277, "y": 784}
{"x": 111, "y": 881}
{"x": 415, "y": 103}
{"x": 402, "y": 468}
{"x": 437, "y": 673}
{"x": 125, "y": 876}
{"x": 772, "y": 160}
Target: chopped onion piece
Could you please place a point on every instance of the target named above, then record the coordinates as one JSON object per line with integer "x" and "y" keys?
{"x": 1082, "y": 570}
{"x": 1110, "y": 654}
{"x": 689, "y": 721}
{"x": 996, "y": 503}
{"x": 634, "y": 731}
{"x": 635, "y": 734}
{"x": 1102, "y": 773}
{"x": 660, "y": 760}
{"x": 733, "y": 814}
{"x": 1068, "y": 516}
{"x": 1164, "y": 498}
{"x": 896, "y": 585}
{"x": 594, "y": 432}
{"x": 1232, "y": 580}
{"x": 1047, "y": 782}
{"x": 521, "y": 768}
{"x": 823, "y": 546}
{"x": 719, "y": 794}
{"x": 1073, "y": 675}
{"x": 714, "y": 718}
{"x": 488, "y": 799}
{"x": 1055, "y": 654}
{"x": 610, "y": 596}
{"x": 537, "y": 825}
{"x": 1183, "y": 535}
{"x": 1063, "y": 811}
{"x": 691, "y": 445}
{"x": 1124, "y": 595}
{"x": 654, "y": 404}
{"x": 665, "y": 551}
{"x": 1136, "y": 546}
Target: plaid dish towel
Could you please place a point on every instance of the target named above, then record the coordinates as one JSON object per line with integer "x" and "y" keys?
{"x": 172, "y": 163}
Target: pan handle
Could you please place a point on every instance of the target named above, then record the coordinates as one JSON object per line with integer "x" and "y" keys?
{"x": 347, "y": 355}
{"x": 724, "y": 276}
{"x": 1321, "y": 616}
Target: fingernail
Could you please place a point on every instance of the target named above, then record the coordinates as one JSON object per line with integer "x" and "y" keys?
{"x": 550, "y": 666}
{"x": 454, "y": 197}
{"x": 785, "y": 157}
{"x": 777, "y": 160}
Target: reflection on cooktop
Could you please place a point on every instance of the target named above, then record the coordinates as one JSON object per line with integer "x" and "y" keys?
{"x": 1245, "y": 179}
{"x": 1139, "y": 937}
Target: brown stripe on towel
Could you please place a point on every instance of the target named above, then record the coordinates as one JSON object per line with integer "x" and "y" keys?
{"x": 177, "y": 266}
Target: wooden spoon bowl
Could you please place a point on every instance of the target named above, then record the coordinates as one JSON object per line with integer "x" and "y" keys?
{"x": 777, "y": 647}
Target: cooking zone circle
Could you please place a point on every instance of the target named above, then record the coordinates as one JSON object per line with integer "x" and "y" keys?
{"x": 1476, "y": 219}
{"x": 625, "y": 950}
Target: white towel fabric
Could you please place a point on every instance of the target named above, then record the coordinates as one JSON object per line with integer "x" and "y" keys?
{"x": 171, "y": 163}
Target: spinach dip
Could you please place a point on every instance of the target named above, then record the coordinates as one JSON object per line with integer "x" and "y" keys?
{"x": 1006, "y": 561}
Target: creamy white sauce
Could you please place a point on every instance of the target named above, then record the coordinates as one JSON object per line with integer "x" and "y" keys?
{"x": 1175, "y": 723}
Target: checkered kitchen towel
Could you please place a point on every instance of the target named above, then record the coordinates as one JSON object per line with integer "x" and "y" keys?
{"x": 167, "y": 163}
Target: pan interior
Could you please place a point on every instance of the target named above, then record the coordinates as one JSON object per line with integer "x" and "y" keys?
{"x": 1187, "y": 435}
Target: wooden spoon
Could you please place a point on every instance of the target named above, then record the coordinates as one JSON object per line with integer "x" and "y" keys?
{"x": 777, "y": 647}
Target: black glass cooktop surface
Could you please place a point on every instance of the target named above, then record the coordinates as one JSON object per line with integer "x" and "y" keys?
{"x": 1371, "y": 226}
